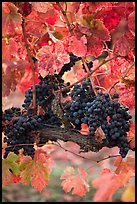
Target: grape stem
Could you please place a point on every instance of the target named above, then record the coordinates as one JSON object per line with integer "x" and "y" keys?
{"x": 97, "y": 161}
{"x": 88, "y": 71}
{"x": 65, "y": 17}
{"x": 32, "y": 66}
{"x": 89, "y": 74}
{"x": 72, "y": 34}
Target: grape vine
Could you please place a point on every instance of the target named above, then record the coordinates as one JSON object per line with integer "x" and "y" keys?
{"x": 97, "y": 111}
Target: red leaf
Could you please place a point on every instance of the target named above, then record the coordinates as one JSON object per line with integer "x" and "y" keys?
{"x": 36, "y": 171}
{"x": 24, "y": 8}
{"x": 99, "y": 30}
{"x": 108, "y": 183}
{"x": 11, "y": 75}
{"x": 26, "y": 80}
{"x": 94, "y": 46}
{"x": 78, "y": 47}
{"x": 76, "y": 181}
{"x": 84, "y": 129}
{"x": 16, "y": 179}
{"x": 11, "y": 21}
{"x": 41, "y": 6}
{"x": 131, "y": 22}
{"x": 124, "y": 44}
{"x": 52, "y": 58}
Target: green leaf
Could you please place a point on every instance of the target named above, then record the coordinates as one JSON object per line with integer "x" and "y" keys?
{"x": 10, "y": 168}
{"x": 25, "y": 168}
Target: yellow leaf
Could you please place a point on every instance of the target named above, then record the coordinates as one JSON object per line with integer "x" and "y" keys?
{"x": 129, "y": 194}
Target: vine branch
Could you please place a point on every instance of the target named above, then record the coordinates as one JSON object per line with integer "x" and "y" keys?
{"x": 83, "y": 59}
{"x": 89, "y": 74}
{"x": 66, "y": 18}
{"x": 86, "y": 143}
{"x": 32, "y": 65}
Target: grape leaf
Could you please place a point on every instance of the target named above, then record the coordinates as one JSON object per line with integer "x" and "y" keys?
{"x": 94, "y": 7}
{"x": 7, "y": 48}
{"x": 111, "y": 15}
{"x": 36, "y": 171}
{"x": 26, "y": 80}
{"x": 51, "y": 58}
{"x": 129, "y": 194}
{"x": 124, "y": 166}
{"x": 94, "y": 46}
{"x": 78, "y": 47}
{"x": 24, "y": 8}
{"x": 11, "y": 21}
{"x": 99, "y": 30}
{"x": 10, "y": 168}
{"x": 42, "y": 7}
{"x": 108, "y": 183}
{"x": 15, "y": 72}
{"x": 76, "y": 181}
{"x": 127, "y": 95}
{"x": 96, "y": 34}
{"x": 124, "y": 44}
{"x": 131, "y": 22}
{"x": 25, "y": 169}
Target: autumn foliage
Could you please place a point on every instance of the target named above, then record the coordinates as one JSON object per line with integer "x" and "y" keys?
{"x": 103, "y": 32}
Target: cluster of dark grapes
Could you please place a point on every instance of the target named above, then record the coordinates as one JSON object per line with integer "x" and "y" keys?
{"x": 18, "y": 134}
{"x": 100, "y": 111}
{"x": 8, "y": 114}
{"x": 18, "y": 131}
{"x": 66, "y": 67}
{"x": 73, "y": 59}
{"x": 81, "y": 96}
{"x": 44, "y": 90}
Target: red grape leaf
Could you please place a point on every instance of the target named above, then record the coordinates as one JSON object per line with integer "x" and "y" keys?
{"x": 78, "y": 47}
{"x": 76, "y": 181}
{"x": 96, "y": 33}
{"x": 131, "y": 135}
{"x": 111, "y": 16}
{"x": 108, "y": 183}
{"x": 24, "y": 8}
{"x": 11, "y": 21}
{"x": 42, "y": 7}
{"x": 26, "y": 80}
{"x": 99, "y": 30}
{"x": 124, "y": 166}
{"x": 51, "y": 16}
{"x": 12, "y": 73}
{"x": 36, "y": 171}
{"x": 94, "y": 46}
{"x": 7, "y": 48}
{"x": 10, "y": 164}
{"x": 131, "y": 22}
{"x": 51, "y": 58}
{"x": 124, "y": 44}
{"x": 92, "y": 7}
{"x": 127, "y": 95}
